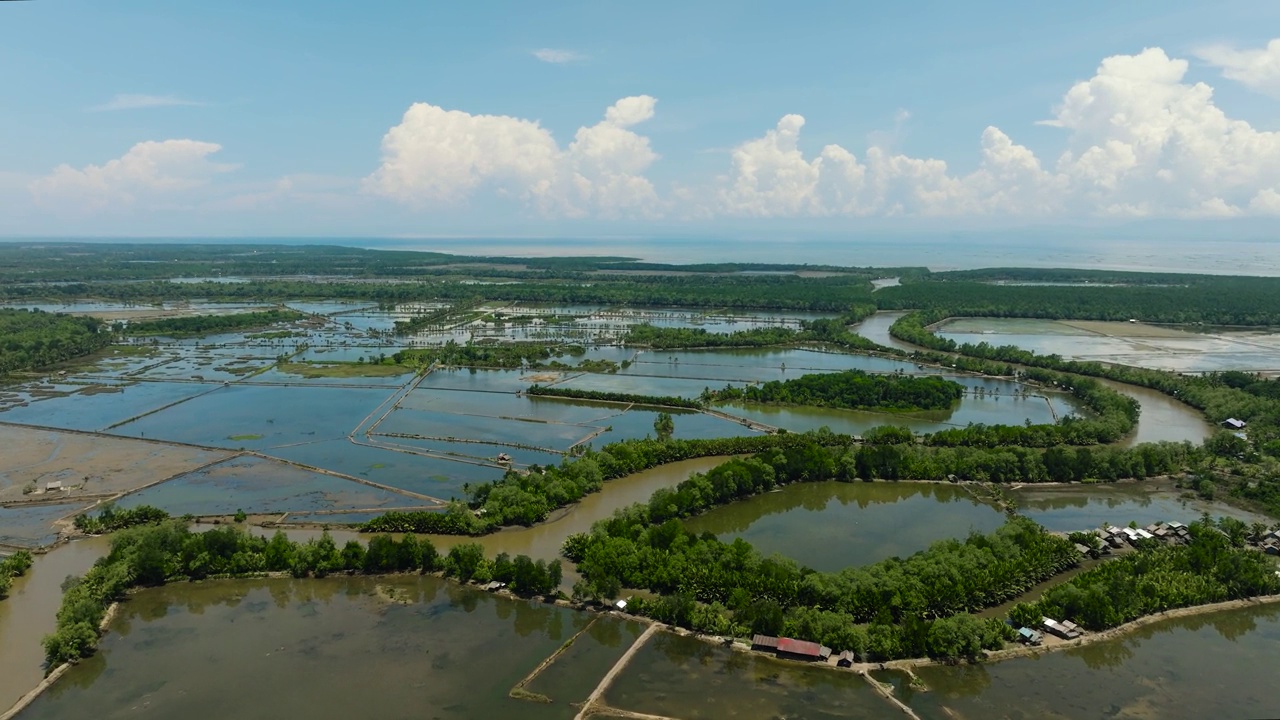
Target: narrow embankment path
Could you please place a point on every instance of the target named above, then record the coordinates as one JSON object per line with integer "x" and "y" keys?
{"x": 519, "y": 690}
{"x": 593, "y": 704}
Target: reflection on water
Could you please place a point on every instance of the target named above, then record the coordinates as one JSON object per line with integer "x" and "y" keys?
{"x": 832, "y": 525}
{"x": 319, "y": 649}
{"x": 687, "y": 678}
{"x": 1162, "y": 417}
{"x": 876, "y": 329}
{"x": 1081, "y": 507}
{"x": 27, "y": 614}
{"x": 1218, "y": 665}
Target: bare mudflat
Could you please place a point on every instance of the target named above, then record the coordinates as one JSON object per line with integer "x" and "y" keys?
{"x": 87, "y": 464}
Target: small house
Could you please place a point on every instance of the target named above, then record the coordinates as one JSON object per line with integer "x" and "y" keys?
{"x": 1234, "y": 424}
{"x": 53, "y": 486}
{"x": 764, "y": 643}
{"x": 1083, "y": 549}
{"x": 791, "y": 649}
{"x": 1027, "y": 636}
{"x": 493, "y": 586}
{"x": 845, "y": 659}
{"x": 620, "y": 604}
{"x": 1058, "y": 629}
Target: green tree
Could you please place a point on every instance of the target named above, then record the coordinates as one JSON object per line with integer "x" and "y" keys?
{"x": 664, "y": 426}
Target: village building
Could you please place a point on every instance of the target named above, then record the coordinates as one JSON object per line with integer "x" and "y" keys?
{"x": 1057, "y": 629}
{"x": 791, "y": 649}
{"x": 764, "y": 643}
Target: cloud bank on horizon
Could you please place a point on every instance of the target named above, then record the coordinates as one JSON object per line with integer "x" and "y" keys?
{"x": 1138, "y": 140}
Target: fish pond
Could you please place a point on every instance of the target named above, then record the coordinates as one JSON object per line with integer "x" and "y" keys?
{"x": 411, "y": 646}
{"x": 832, "y": 525}
{"x": 1213, "y": 665}
{"x": 1165, "y": 348}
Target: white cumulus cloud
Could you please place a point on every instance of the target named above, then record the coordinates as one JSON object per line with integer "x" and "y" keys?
{"x": 442, "y": 157}
{"x": 152, "y": 169}
{"x": 136, "y": 102}
{"x": 1140, "y": 141}
{"x": 1257, "y": 68}
{"x": 557, "y": 57}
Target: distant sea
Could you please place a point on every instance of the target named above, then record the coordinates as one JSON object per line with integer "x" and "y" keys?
{"x": 1209, "y": 256}
{"x": 1217, "y": 257}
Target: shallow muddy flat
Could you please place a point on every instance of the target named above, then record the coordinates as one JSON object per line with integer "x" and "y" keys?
{"x": 88, "y": 464}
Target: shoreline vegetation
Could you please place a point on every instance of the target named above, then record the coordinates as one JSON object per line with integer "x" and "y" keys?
{"x": 198, "y": 325}
{"x": 901, "y": 612}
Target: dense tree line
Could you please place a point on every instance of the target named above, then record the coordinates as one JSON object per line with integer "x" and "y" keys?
{"x": 850, "y": 389}
{"x": 885, "y": 454}
{"x": 696, "y": 291}
{"x": 15, "y": 565}
{"x": 1212, "y": 300}
{"x": 208, "y": 324}
{"x": 505, "y": 355}
{"x": 457, "y": 519}
{"x": 435, "y": 317}
{"x": 670, "y": 338}
{"x": 110, "y": 519}
{"x": 1210, "y": 568}
{"x": 1219, "y": 396}
{"x": 32, "y": 339}
{"x": 526, "y": 498}
{"x": 170, "y": 551}
{"x": 80, "y": 262}
{"x": 826, "y": 330}
{"x": 659, "y": 400}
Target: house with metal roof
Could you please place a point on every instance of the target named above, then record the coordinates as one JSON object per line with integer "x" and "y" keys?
{"x": 792, "y": 649}
{"x": 764, "y": 643}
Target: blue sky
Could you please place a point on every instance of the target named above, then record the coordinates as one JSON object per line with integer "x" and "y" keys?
{"x": 130, "y": 117}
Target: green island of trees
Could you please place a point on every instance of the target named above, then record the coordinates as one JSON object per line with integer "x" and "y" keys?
{"x": 852, "y": 389}
{"x": 31, "y": 339}
{"x": 503, "y": 356}
{"x": 15, "y": 565}
{"x": 110, "y": 519}
{"x": 897, "y": 608}
{"x": 195, "y": 325}
{"x": 656, "y": 400}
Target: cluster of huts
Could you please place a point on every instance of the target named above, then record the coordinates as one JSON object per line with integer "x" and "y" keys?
{"x": 1117, "y": 537}
{"x": 1270, "y": 543}
{"x": 1064, "y": 629}
{"x": 791, "y": 649}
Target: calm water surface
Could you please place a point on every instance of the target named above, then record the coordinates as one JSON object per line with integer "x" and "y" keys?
{"x": 687, "y": 678}
{"x": 833, "y": 525}
{"x": 27, "y": 615}
{"x": 1219, "y": 665}
{"x": 322, "y": 649}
